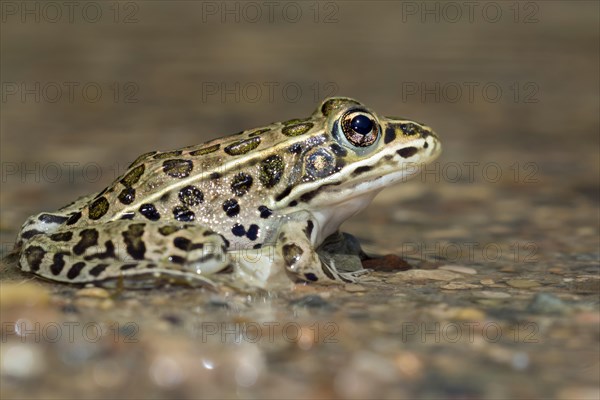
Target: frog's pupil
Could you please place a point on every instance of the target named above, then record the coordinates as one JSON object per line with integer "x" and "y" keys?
{"x": 361, "y": 124}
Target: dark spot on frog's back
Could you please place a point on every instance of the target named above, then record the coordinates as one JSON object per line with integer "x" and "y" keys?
{"x": 149, "y": 211}
{"x": 241, "y": 184}
{"x": 168, "y": 230}
{"x": 407, "y": 152}
{"x": 184, "y": 214}
{"x": 133, "y": 176}
{"x": 52, "y": 219}
{"x": 98, "y": 208}
{"x": 177, "y": 168}
{"x": 231, "y": 207}
{"x": 127, "y": 195}
{"x": 142, "y": 157}
{"x": 238, "y": 230}
{"x": 259, "y": 132}
{"x": 89, "y": 238}
{"x": 296, "y": 130}
{"x": 169, "y": 154}
{"x": 252, "y": 232}
{"x": 133, "y": 241}
{"x": 242, "y": 146}
{"x": 34, "y": 256}
{"x": 98, "y": 269}
{"x": 31, "y": 233}
{"x": 271, "y": 170}
{"x": 205, "y": 150}
{"x": 58, "y": 263}
{"x": 74, "y": 218}
{"x": 264, "y": 211}
{"x": 61, "y": 236}
{"x": 191, "y": 196}
{"x": 75, "y": 270}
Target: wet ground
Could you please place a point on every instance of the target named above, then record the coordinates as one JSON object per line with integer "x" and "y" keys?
{"x": 501, "y": 233}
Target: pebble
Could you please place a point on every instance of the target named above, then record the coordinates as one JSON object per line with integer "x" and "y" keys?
{"x": 353, "y": 287}
{"x": 459, "y": 268}
{"x": 487, "y": 281}
{"x": 93, "y": 292}
{"x": 586, "y": 286}
{"x": 547, "y": 303}
{"x": 579, "y": 392}
{"x": 459, "y": 286}
{"x": 469, "y": 314}
{"x": 92, "y": 302}
{"x": 556, "y": 271}
{"x": 23, "y": 294}
{"x": 489, "y": 294}
{"x": 388, "y": 263}
{"x": 522, "y": 283}
{"x": 312, "y": 301}
{"x": 22, "y": 361}
{"x": 424, "y": 274}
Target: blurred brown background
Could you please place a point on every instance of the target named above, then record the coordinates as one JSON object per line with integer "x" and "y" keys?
{"x": 511, "y": 87}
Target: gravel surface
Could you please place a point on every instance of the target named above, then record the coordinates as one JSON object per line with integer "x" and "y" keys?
{"x": 490, "y": 283}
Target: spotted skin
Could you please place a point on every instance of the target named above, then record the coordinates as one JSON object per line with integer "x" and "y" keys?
{"x": 248, "y": 209}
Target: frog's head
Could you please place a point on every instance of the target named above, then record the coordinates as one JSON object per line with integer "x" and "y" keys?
{"x": 363, "y": 153}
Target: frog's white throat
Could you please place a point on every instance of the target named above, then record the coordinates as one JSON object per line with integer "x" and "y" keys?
{"x": 350, "y": 199}
{"x": 328, "y": 219}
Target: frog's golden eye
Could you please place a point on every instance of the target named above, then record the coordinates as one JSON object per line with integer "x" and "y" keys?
{"x": 360, "y": 128}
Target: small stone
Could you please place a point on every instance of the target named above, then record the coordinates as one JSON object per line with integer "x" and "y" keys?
{"x": 579, "y": 392}
{"x": 522, "y": 283}
{"x": 459, "y": 268}
{"x": 459, "y": 286}
{"x": 487, "y": 281}
{"x": 22, "y": 361}
{"x": 489, "y": 294}
{"x": 547, "y": 303}
{"x": 22, "y": 294}
{"x": 93, "y": 292}
{"x": 353, "y": 287}
{"x": 387, "y": 263}
{"x": 556, "y": 271}
{"x": 470, "y": 314}
{"x": 88, "y": 302}
{"x": 106, "y": 304}
{"x": 508, "y": 269}
{"x": 312, "y": 301}
{"x": 585, "y": 286}
{"x": 425, "y": 274}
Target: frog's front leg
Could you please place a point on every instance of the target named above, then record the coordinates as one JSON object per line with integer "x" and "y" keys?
{"x": 296, "y": 253}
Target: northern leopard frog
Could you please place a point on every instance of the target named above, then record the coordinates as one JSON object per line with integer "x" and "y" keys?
{"x": 251, "y": 207}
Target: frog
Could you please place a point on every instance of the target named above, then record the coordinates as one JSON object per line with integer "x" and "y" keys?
{"x": 250, "y": 209}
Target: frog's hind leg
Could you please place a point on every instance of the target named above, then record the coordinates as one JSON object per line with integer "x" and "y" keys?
{"x": 128, "y": 254}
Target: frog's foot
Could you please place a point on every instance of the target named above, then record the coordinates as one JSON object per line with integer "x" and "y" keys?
{"x": 128, "y": 254}
{"x": 295, "y": 251}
